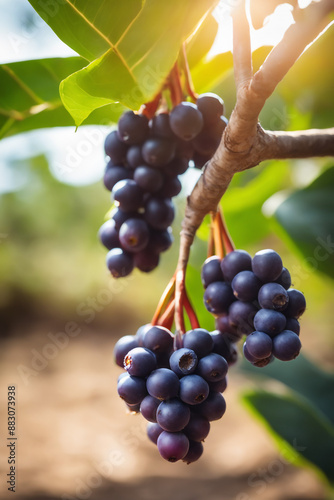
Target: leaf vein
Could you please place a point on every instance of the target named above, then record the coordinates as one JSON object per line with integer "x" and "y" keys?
{"x": 21, "y": 83}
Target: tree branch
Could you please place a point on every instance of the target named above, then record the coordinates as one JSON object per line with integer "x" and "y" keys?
{"x": 297, "y": 144}
{"x": 242, "y": 53}
{"x": 244, "y": 143}
{"x": 309, "y": 23}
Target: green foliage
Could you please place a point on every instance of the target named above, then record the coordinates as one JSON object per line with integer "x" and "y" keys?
{"x": 295, "y": 425}
{"x": 29, "y": 97}
{"x": 243, "y": 202}
{"x": 137, "y": 62}
{"x": 309, "y": 83}
{"x": 201, "y": 42}
{"x": 301, "y": 420}
{"x": 307, "y": 217}
{"x": 89, "y": 29}
{"x": 303, "y": 377}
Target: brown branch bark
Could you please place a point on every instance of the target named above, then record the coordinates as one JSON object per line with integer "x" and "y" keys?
{"x": 244, "y": 143}
{"x": 309, "y": 23}
{"x": 297, "y": 144}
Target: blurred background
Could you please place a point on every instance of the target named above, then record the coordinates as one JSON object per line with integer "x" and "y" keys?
{"x": 61, "y": 312}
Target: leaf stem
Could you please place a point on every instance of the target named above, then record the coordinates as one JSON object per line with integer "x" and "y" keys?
{"x": 190, "y": 311}
{"x": 175, "y": 86}
{"x": 227, "y": 240}
{"x": 163, "y": 302}
{"x": 188, "y": 80}
{"x": 217, "y": 233}
{"x": 167, "y": 317}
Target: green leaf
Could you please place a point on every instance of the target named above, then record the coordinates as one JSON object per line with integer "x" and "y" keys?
{"x": 134, "y": 69}
{"x": 89, "y": 28}
{"x": 303, "y": 436}
{"x": 29, "y": 96}
{"x": 242, "y": 203}
{"x": 303, "y": 377}
{"x": 309, "y": 83}
{"x": 307, "y": 217}
{"x": 208, "y": 74}
{"x": 202, "y": 41}
{"x": 216, "y": 75}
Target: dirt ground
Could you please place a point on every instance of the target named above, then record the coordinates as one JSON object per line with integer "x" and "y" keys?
{"x": 75, "y": 440}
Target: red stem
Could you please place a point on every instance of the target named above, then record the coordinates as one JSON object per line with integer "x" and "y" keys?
{"x": 219, "y": 247}
{"x": 179, "y": 301}
{"x": 188, "y": 81}
{"x": 175, "y": 86}
{"x": 227, "y": 240}
{"x": 149, "y": 109}
{"x": 167, "y": 317}
{"x": 190, "y": 311}
{"x": 163, "y": 301}
{"x": 211, "y": 243}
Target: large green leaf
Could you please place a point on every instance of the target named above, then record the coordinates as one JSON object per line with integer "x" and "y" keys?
{"x": 309, "y": 83}
{"x": 202, "y": 41}
{"x": 208, "y": 74}
{"x": 307, "y": 217}
{"x": 303, "y": 377}
{"x": 242, "y": 203}
{"x": 134, "y": 69}
{"x": 304, "y": 437}
{"x": 29, "y": 96}
{"x": 89, "y": 28}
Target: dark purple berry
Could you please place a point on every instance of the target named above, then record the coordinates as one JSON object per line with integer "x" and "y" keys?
{"x": 186, "y": 121}
{"x": 199, "y": 340}
{"x": 148, "y": 408}
{"x": 193, "y": 389}
{"x": 183, "y": 361}
{"x": 119, "y": 263}
{"x": 159, "y": 212}
{"x": 131, "y": 389}
{"x": 123, "y": 346}
{"x": 148, "y": 178}
{"x": 194, "y": 453}
{"x": 218, "y": 297}
{"x": 197, "y": 428}
{"x": 259, "y": 345}
{"x": 145, "y": 260}
{"x": 211, "y": 106}
{"x": 241, "y": 316}
{"x": 246, "y": 286}
{"x": 284, "y": 279}
{"x": 115, "y": 148}
{"x": 267, "y": 265}
{"x": 108, "y": 235}
{"x": 212, "y": 367}
{"x": 133, "y": 128}
{"x": 134, "y": 235}
{"x": 273, "y": 296}
{"x": 129, "y": 195}
{"x": 269, "y": 321}
{"x": 293, "y": 325}
{"x": 158, "y": 339}
{"x": 140, "y": 362}
{"x": 213, "y": 408}
{"x": 297, "y": 304}
{"x": 163, "y": 384}
{"x": 286, "y": 345}
{"x": 153, "y": 432}
{"x": 173, "y": 446}
{"x": 235, "y": 262}
{"x": 114, "y": 174}
{"x": 173, "y": 415}
{"x": 211, "y": 271}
